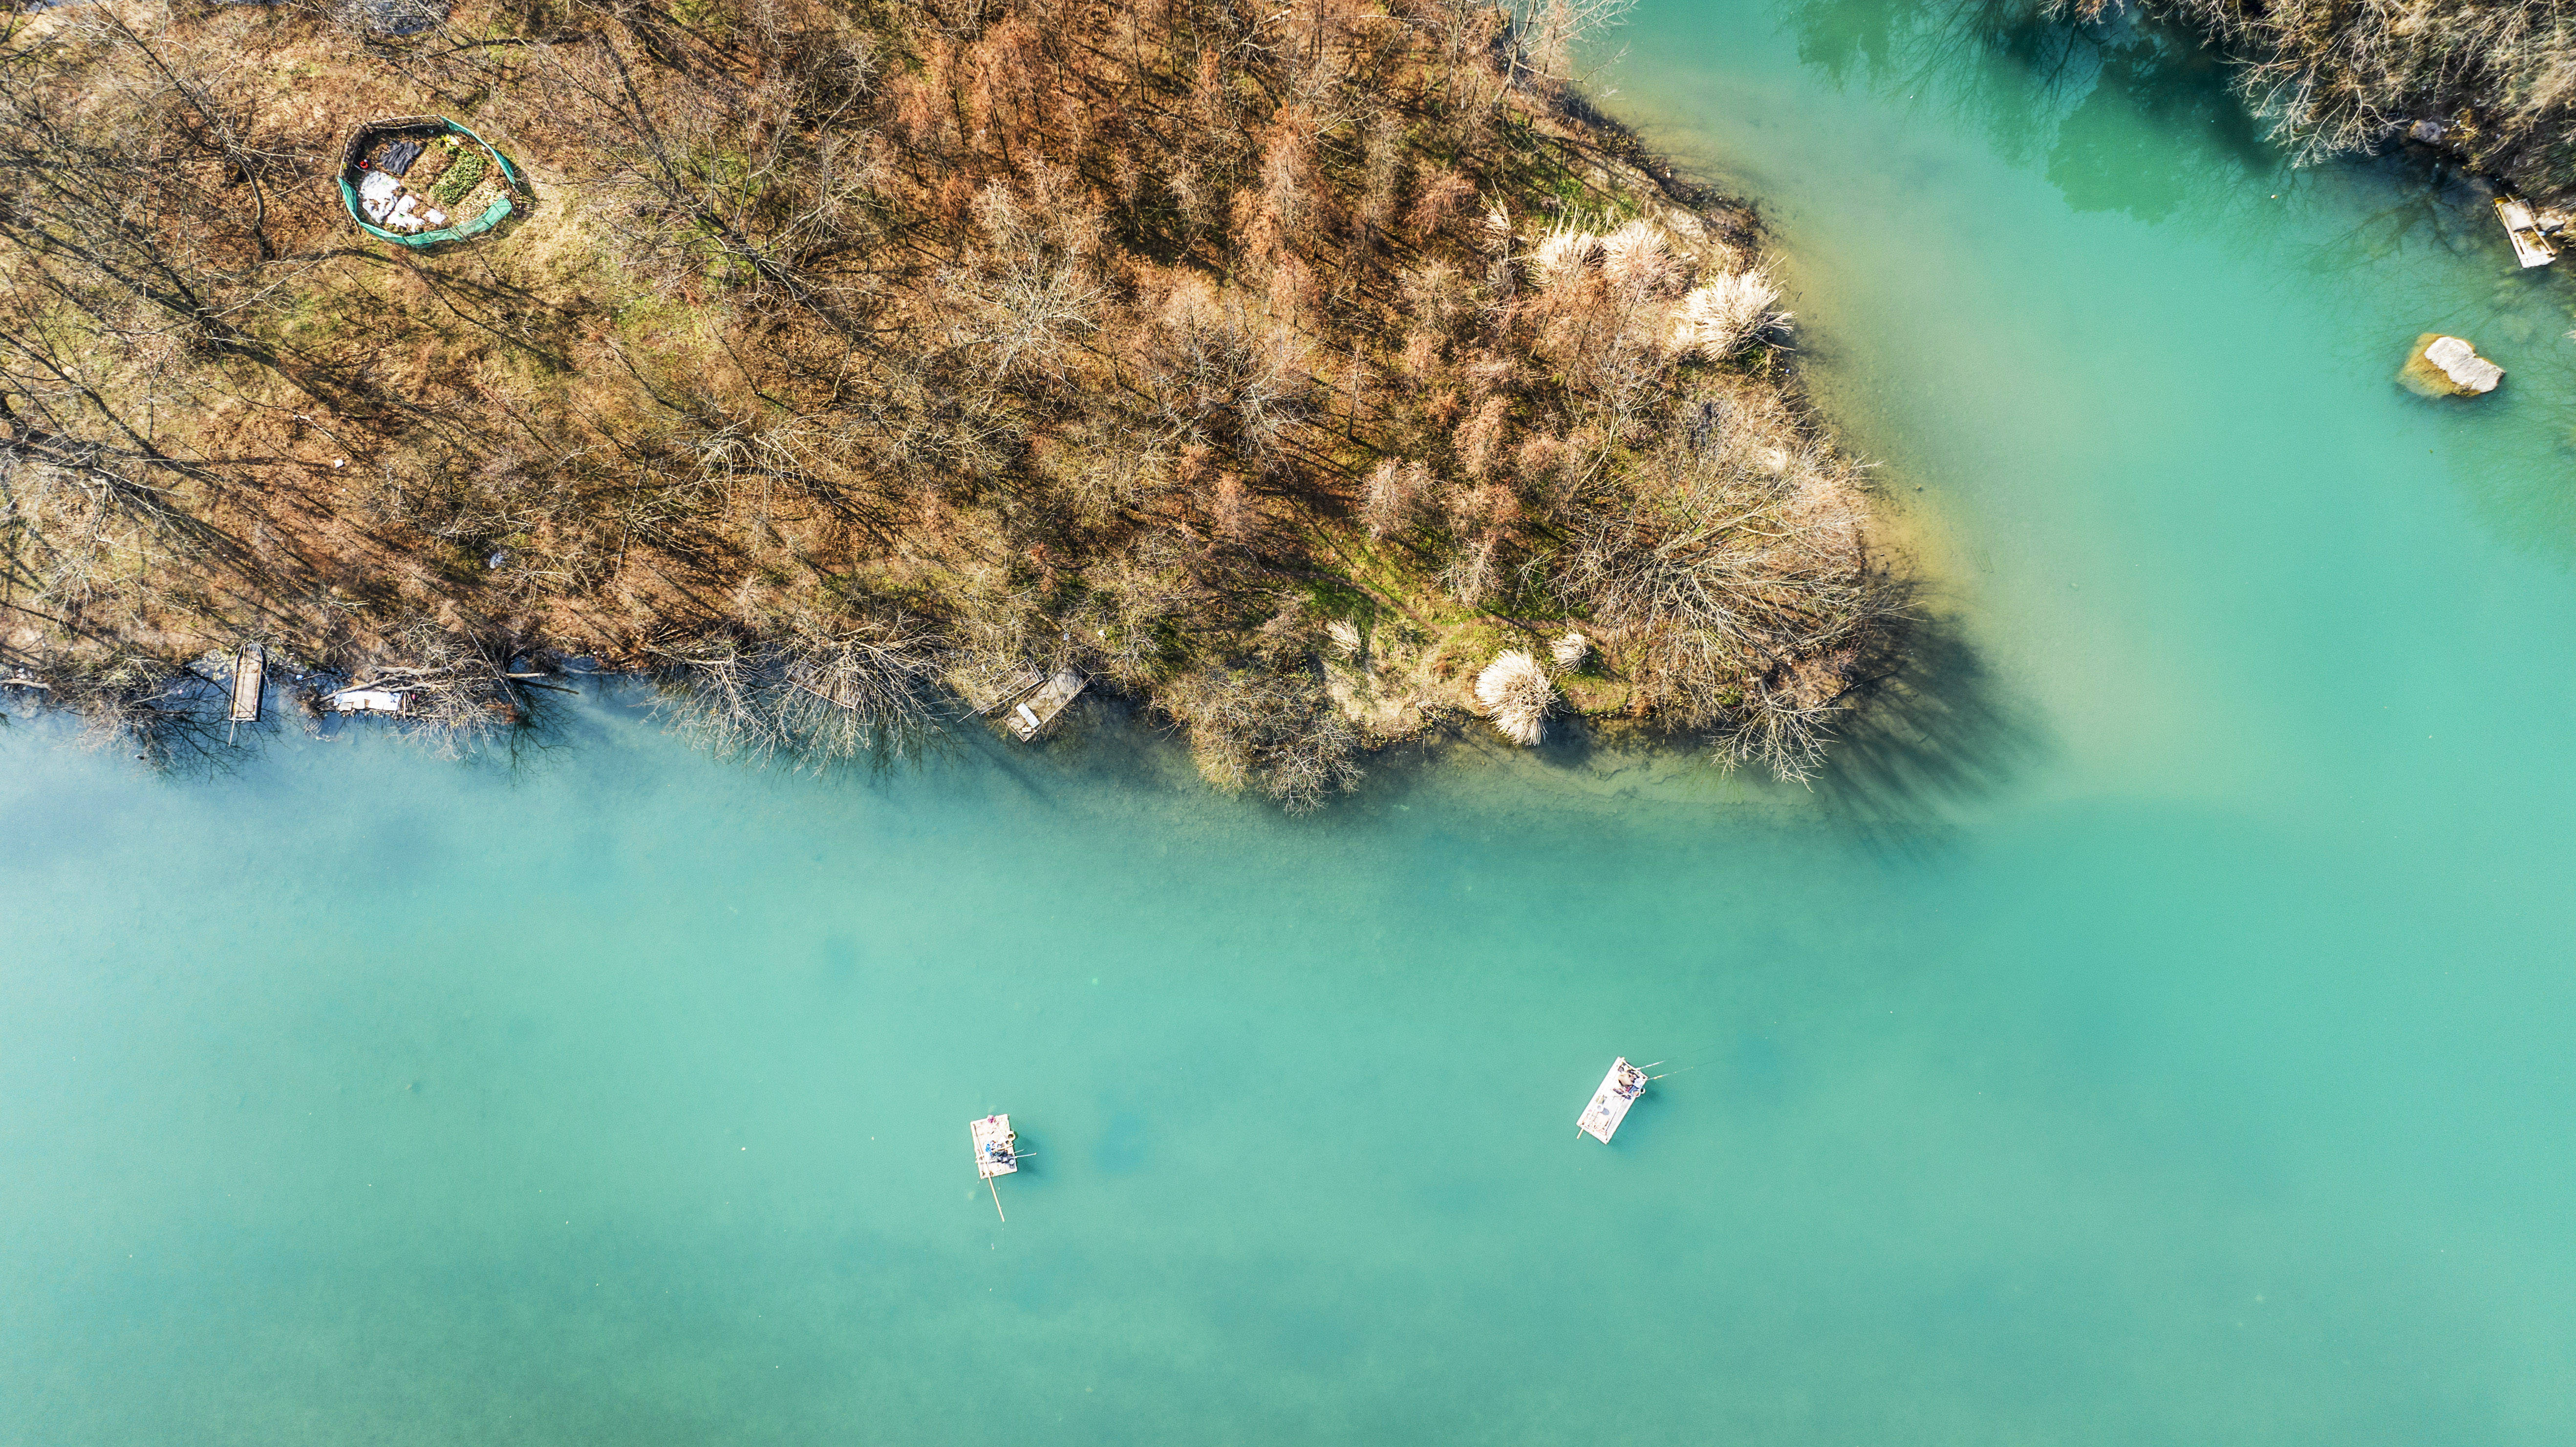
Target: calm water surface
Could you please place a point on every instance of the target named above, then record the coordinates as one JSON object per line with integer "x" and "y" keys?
{"x": 2159, "y": 1033}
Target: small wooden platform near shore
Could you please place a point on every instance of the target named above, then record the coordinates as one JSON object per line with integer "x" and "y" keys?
{"x": 1619, "y": 1090}
{"x": 250, "y": 671}
{"x": 1039, "y": 709}
{"x": 2523, "y": 229}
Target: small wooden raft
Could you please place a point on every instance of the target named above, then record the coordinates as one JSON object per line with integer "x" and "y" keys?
{"x": 997, "y": 1153}
{"x": 250, "y": 670}
{"x": 1039, "y": 709}
{"x": 1619, "y": 1090}
{"x": 2529, "y": 245}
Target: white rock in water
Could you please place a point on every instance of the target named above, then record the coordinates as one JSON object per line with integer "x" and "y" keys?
{"x": 2461, "y": 363}
{"x": 2443, "y": 366}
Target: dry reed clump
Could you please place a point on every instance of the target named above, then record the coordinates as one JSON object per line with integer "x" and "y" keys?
{"x": 1721, "y": 317}
{"x": 1515, "y": 693}
{"x": 1638, "y": 256}
{"x": 1563, "y": 254}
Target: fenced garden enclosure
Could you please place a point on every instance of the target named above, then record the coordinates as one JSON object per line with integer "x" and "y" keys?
{"x": 425, "y": 180}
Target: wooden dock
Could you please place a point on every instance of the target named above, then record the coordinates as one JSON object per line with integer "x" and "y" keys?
{"x": 2523, "y": 229}
{"x": 1619, "y": 1090}
{"x": 1034, "y": 713}
{"x": 250, "y": 671}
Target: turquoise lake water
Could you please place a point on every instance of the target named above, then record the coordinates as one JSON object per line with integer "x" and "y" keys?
{"x": 2159, "y": 1031}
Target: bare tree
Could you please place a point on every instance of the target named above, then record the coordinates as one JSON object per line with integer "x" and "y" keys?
{"x": 1267, "y": 728}
{"x": 863, "y": 690}
{"x": 171, "y": 717}
{"x": 1029, "y": 287}
{"x": 718, "y": 693}
{"x": 1551, "y": 32}
{"x": 824, "y": 693}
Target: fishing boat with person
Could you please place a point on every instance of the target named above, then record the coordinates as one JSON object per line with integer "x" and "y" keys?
{"x": 997, "y": 1153}
{"x": 1609, "y": 1105}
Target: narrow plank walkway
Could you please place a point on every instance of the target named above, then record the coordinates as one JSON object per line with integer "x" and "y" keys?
{"x": 250, "y": 671}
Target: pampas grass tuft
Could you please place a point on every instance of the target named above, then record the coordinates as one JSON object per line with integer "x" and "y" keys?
{"x": 1514, "y": 692}
{"x": 1636, "y": 255}
{"x": 1717, "y": 320}
{"x": 1564, "y": 252}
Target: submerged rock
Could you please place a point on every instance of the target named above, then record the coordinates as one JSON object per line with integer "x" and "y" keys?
{"x": 2443, "y": 366}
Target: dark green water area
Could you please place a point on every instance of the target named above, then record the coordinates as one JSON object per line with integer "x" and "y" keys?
{"x": 2157, "y": 1030}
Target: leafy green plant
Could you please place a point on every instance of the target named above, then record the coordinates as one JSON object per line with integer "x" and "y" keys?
{"x": 468, "y": 168}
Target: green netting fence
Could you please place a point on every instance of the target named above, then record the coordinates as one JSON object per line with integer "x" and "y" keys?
{"x": 431, "y": 126}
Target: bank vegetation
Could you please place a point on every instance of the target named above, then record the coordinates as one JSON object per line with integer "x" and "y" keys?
{"x": 2489, "y": 82}
{"x": 1278, "y": 368}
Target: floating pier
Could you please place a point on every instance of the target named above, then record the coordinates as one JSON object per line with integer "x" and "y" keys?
{"x": 250, "y": 671}
{"x": 997, "y": 1153}
{"x": 2529, "y": 245}
{"x": 1040, "y": 708}
{"x": 1619, "y": 1090}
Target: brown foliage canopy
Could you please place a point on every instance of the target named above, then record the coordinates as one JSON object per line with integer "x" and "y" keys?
{"x": 884, "y": 341}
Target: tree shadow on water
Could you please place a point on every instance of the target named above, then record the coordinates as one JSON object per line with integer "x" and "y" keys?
{"x": 2122, "y": 114}
{"x": 1932, "y": 732}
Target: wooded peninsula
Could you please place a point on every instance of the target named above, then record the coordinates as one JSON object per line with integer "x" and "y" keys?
{"x": 1315, "y": 377}
{"x": 2490, "y": 83}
